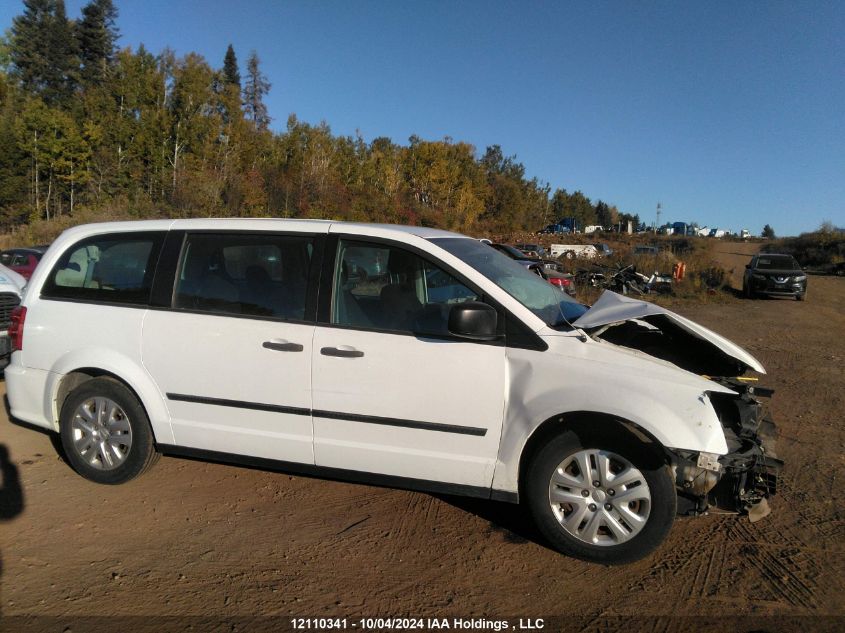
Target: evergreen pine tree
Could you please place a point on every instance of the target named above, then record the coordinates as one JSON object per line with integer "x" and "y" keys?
{"x": 231, "y": 74}
{"x": 256, "y": 87}
{"x": 43, "y": 50}
{"x": 96, "y": 35}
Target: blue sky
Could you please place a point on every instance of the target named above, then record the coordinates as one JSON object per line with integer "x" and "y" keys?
{"x": 731, "y": 114}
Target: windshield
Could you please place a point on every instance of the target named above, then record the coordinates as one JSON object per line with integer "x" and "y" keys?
{"x": 553, "y": 306}
{"x": 777, "y": 262}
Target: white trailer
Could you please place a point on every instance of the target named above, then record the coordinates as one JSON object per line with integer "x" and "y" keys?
{"x": 571, "y": 251}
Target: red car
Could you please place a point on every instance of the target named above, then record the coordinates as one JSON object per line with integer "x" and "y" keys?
{"x": 23, "y": 260}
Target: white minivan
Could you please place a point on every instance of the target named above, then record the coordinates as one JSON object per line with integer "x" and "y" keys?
{"x": 392, "y": 355}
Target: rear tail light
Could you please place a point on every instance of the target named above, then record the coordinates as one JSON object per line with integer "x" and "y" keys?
{"x": 560, "y": 282}
{"x": 18, "y": 317}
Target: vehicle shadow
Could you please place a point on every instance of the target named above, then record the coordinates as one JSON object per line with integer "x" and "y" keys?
{"x": 11, "y": 495}
{"x": 510, "y": 520}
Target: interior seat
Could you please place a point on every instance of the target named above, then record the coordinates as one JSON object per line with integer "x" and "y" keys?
{"x": 400, "y": 305}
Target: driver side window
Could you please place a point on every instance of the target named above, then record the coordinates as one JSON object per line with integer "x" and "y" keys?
{"x": 377, "y": 286}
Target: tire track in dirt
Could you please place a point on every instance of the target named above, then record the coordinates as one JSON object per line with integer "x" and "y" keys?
{"x": 790, "y": 573}
{"x": 692, "y": 563}
{"x": 811, "y": 518}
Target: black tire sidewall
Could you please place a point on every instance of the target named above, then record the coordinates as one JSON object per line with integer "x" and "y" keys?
{"x": 656, "y": 472}
{"x": 143, "y": 444}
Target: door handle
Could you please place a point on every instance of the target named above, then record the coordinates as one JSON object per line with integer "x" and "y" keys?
{"x": 341, "y": 353}
{"x": 282, "y": 346}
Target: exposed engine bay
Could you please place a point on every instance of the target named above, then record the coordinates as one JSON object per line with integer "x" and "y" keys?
{"x": 746, "y": 477}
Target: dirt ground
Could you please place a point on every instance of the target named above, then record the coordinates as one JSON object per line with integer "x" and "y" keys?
{"x": 199, "y": 539}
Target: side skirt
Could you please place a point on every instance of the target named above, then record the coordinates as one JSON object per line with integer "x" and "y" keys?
{"x": 339, "y": 474}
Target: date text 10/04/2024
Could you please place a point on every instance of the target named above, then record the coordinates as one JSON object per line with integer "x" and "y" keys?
{"x": 410, "y": 624}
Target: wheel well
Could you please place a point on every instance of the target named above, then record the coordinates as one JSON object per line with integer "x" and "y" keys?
{"x": 586, "y": 421}
{"x": 77, "y": 377}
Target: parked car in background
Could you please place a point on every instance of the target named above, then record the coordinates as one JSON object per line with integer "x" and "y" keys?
{"x": 571, "y": 251}
{"x": 556, "y": 229}
{"x": 23, "y": 260}
{"x": 11, "y": 287}
{"x": 533, "y": 250}
{"x": 564, "y": 281}
{"x": 548, "y": 269}
{"x": 603, "y": 249}
{"x": 247, "y": 341}
{"x": 646, "y": 250}
{"x": 774, "y": 275}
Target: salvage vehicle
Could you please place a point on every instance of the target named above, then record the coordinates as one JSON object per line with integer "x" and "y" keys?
{"x": 23, "y": 260}
{"x": 775, "y": 276}
{"x": 533, "y": 250}
{"x": 548, "y": 269}
{"x": 603, "y": 249}
{"x": 11, "y": 284}
{"x": 454, "y": 370}
{"x": 571, "y": 251}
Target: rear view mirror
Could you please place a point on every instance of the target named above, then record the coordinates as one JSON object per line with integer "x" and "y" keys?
{"x": 473, "y": 320}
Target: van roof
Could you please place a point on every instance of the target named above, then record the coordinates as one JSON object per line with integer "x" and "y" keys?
{"x": 259, "y": 224}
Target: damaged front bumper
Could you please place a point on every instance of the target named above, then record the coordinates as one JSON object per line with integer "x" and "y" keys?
{"x": 744, "y": 479}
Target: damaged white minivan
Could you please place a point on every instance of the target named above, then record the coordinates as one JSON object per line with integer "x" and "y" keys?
{"x": 399, "y": 356}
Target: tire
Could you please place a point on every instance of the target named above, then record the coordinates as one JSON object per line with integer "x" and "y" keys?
{"x": 625, "y": 533}
{"x": 106, "y": 433}
{"x": 746, "y": 291}
{"x": 799, "y": 297}
{"x": 569, "y": 255}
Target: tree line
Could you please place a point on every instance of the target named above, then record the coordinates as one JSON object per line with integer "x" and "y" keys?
{"x": 83, "y": 122}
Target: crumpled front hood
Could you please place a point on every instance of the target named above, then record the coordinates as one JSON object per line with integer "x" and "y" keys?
{"x": 614, "y": 308}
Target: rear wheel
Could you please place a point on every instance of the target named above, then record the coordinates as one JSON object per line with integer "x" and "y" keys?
{"x": 106, "y": 433}
{"x": 603, "y": 497}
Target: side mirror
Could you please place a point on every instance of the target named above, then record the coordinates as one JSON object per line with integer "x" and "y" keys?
{"x": 473, "y": 320}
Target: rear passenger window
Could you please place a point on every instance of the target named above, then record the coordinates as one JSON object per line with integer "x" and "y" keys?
{"x": 109, "y": 268}
{"x": 251, "y": 275}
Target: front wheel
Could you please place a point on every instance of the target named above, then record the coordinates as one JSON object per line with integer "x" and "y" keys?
{"x": 602, "y": 497}
{"x": 106, "y": 433}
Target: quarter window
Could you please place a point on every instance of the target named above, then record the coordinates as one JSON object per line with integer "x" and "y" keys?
{"x": 109, "y": 268}
{"x": 253, "y": 275}
{"x": 382, "y": 287}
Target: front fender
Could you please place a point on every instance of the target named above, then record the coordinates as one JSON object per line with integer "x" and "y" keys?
{"x": 123, "y": 368}
{"x": 677, "y": 414}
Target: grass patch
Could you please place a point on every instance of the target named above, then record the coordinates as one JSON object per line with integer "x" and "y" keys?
{"x": 820, "y": 251}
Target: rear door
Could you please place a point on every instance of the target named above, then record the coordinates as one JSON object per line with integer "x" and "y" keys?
{"x": 232, "y": 351}
{"x": 394, "y": 392}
